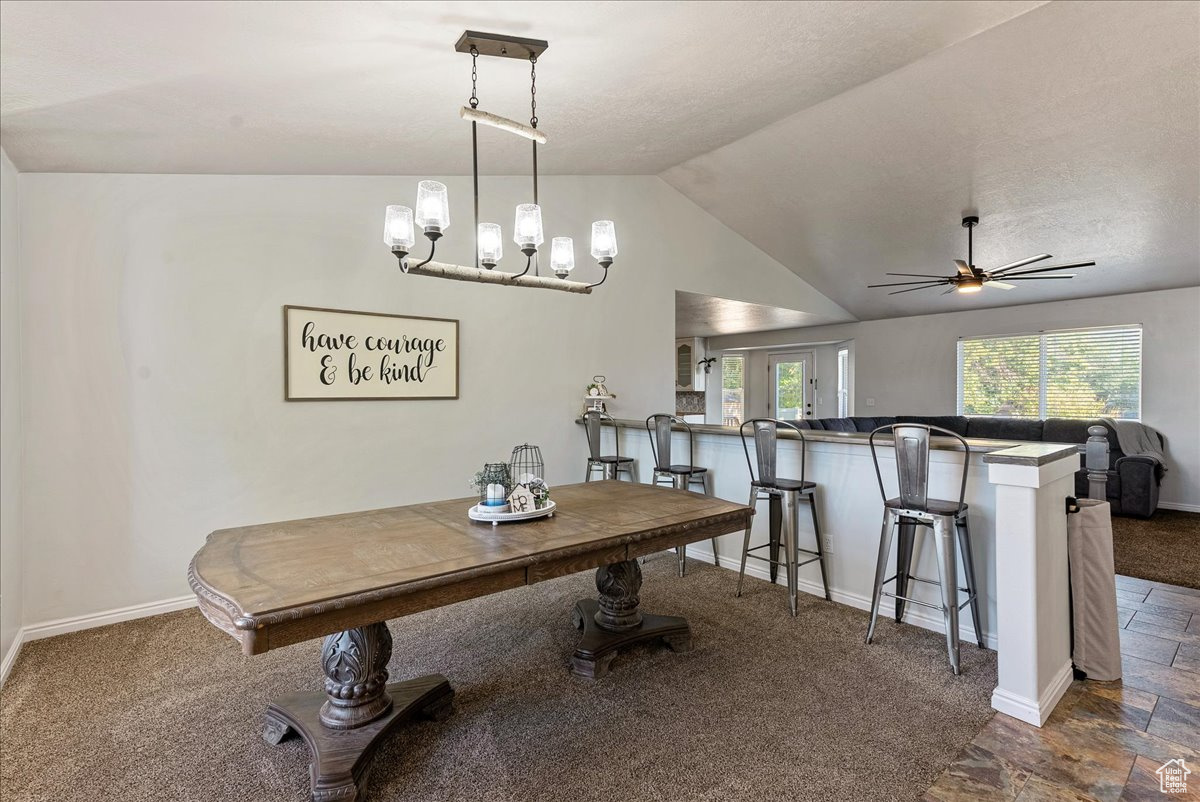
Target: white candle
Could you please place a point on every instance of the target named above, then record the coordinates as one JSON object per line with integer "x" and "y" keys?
{"x": 494, "y": 494}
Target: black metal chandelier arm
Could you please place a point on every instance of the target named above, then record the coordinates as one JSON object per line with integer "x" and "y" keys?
{"x": 528, "y": 262}
{"x": 432, "y": 249}
{"x": 601, "y": 281}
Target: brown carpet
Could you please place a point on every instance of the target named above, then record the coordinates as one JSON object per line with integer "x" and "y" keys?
{"x": 766, "y": 707}
{"x": 1165, "y": 548}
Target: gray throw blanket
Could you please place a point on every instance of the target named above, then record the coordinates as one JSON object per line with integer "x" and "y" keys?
{"x": 1137, "y": 439}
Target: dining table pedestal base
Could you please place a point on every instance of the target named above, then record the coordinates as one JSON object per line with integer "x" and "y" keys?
{"x": 613, "y": 621}
{"x": 344, "y": 725}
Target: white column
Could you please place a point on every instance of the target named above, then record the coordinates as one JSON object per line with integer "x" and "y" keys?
{"x": 1032, "y": 615}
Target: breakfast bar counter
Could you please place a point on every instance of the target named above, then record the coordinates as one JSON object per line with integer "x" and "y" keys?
{"x": 1015, "y": 491}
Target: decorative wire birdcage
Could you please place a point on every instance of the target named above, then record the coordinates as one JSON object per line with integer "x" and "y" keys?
{"x": 526, "y": 464}
{"x": 494, "y": 483}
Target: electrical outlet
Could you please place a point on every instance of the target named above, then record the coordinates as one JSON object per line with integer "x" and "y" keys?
{"x": 827, "y": 546}
{"x": 870, "y": 402}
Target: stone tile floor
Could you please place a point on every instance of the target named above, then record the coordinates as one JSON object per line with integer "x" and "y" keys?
{"x": 1105, "y": 740}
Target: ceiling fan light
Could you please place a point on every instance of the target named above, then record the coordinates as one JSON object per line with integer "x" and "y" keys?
{"x": 970, "y": 285}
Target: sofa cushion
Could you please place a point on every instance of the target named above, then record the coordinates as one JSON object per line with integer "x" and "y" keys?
{"x": 955, "y": 423}
{"x": 837, "y": 424}
{"x": 871, "y": 424}
{"x": 991, "y": 428}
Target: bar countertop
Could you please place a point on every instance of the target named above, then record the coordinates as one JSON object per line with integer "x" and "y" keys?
{"x": 1011, "y": 452}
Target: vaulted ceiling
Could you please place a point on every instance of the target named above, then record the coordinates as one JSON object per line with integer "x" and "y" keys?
{"x": 845, "y": 139}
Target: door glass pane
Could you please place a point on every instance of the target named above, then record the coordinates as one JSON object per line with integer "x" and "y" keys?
{"x": 789, "y": 390}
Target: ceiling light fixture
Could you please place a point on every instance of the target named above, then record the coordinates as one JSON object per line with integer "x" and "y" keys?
{"x": 433, "y": 206}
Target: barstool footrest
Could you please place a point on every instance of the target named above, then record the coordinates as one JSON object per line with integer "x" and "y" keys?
{"x": 914, "y": 601}
{"x": 783, "y": 562}
{"x": 894, "y": 577}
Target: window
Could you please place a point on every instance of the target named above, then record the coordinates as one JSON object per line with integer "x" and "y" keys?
{"x": 1081, "y": 373}
{"x": 843, "y": 383}
{"x": 733, "y": 389}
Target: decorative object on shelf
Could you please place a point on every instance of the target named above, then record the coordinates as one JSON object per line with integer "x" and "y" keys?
{"x": 706, "y": 364}
{"x": 597, "y": 394}
{"x": 525, "y": 464}
{"x": 970, "y": 278}
{"x": 335, "y": 355}
{"x": 433, "y": 208}
{"x": 494, "y": 483}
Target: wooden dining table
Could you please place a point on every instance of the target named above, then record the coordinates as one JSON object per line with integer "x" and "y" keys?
{"x": 342, "y": 577}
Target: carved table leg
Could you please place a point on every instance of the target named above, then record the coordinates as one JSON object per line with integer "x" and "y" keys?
{"x": 344, "y": 725}
{"x": 614, "y": 621}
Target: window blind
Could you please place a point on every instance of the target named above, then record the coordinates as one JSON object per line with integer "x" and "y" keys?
{"x": 1079, "y": 373}
{"x": 733, "y": 389}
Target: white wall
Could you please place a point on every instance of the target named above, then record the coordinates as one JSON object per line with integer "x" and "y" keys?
{"x": 10, "y": 411}
{"x": 908, "y": 365}
{"x": 152, "y": 343}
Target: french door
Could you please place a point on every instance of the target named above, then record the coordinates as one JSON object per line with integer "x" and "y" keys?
{"x": 790, "y": 385}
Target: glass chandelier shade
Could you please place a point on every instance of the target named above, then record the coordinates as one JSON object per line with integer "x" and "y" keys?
{"x": 433, "y": 207}
{"x": 398, "y": 228}
{"x": 527, "y": 232}
{"x": 604, "y": 240}
{"x": 562, "y": 256}
{"x": 491, "y": 244}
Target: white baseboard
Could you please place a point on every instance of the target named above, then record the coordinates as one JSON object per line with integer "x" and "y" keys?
{"x": 1172, "y": 505}
{"x": 1031, "y": 711}
{"x": 913, "y": 615}
{"x": 61, "y": 626}
{"x": 10, "y": 656}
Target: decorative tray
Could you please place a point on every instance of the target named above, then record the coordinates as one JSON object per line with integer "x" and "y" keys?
{"x": 481, "y": 513}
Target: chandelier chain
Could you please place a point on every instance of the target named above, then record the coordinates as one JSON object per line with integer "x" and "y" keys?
{"x": 474, "y": 101}
{"x": 533, "y": 119}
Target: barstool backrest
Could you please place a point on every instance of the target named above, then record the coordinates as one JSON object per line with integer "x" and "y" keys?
{"x": 592, "y": 421}
{"x": 911, "y": 443}
{"x": 659, "y": 428}
{"x": 766, "y": 439}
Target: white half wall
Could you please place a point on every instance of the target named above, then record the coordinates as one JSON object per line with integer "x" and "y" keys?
{"x": 909, "y": 365}
{"x": 10, "y": 411}
{"x": 153, "y": 390}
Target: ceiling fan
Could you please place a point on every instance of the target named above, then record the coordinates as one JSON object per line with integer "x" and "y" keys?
{"x": 970, "y": 278}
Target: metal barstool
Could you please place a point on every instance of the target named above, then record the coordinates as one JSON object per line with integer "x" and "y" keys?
{"x": 784, "y": 495}
{"x": 913, "y": 508}
{"x": 612, "y": 466}
{"x": 680, "y": 477}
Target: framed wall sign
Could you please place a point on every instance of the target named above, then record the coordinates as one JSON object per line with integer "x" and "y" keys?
{"x": 336, "y": 355}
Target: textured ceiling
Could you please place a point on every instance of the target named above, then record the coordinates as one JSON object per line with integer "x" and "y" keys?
{"x": 1073, "y": 130}
{"x": 375, "y": 87}
{"x": 706, "y": 316}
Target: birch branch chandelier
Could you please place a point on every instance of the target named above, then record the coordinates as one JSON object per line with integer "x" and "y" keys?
{"x": 433, "y": 205}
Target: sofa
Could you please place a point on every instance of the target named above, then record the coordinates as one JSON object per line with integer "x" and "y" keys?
{"x": 1132, "y": 481}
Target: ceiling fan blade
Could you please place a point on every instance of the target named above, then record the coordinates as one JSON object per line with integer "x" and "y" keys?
{"x": 1000, "y": 285}
{"x": 904, "y": 283}
{"x": 1020, "y": 263}
{"x": 952, "y": 289}
{"x": 925, "y": 275}
{"x": 914, "y": 289}
{"x": 964, "y": 269}
{"x": 1047, "y": 269}
{"x": 1035, "y": 278}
